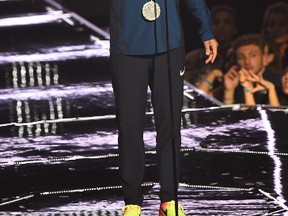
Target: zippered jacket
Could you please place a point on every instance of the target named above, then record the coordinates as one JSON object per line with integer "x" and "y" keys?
{"x": 132, "y": 34}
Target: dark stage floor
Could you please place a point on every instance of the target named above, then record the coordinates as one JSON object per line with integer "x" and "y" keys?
{"x": 58, "y": 137}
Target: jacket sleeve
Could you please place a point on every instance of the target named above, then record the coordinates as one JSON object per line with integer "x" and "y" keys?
{"x": 200, "y": 11}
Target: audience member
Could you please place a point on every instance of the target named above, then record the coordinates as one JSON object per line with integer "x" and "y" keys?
{"x": 254, "y": 74}
{"x": 272, "y": 61}
{"x": 249, "y": 81}
{"x": 275, "y": 25}
{"x": 272, "y": 52}
{"x": 283, "y": 95}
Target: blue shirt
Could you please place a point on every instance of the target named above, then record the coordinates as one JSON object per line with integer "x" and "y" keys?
{"x": 131, "y": 34}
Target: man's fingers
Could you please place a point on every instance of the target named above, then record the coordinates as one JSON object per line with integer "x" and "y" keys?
{"x": 207, "y": 48}
{"x": 209, "y": 59}
{"x": 214, "y": 48}
{"x": 211, "y": 49}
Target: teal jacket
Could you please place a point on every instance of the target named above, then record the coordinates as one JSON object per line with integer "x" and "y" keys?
{"x": 131, "y": 34}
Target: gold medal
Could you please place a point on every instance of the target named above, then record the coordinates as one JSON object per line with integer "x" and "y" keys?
{"x": 151, "y": 10}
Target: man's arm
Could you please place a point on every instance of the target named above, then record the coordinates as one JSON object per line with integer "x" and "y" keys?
{"x": 200, "y": 11}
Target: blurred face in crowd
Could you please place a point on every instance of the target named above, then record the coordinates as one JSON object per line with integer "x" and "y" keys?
{"x": 251, "y": 58}
{"x": 285, "y": 83}
{"x": 224, "y": 26}
{"x": 266, "y": 53}
{"x": 277, "y": 25}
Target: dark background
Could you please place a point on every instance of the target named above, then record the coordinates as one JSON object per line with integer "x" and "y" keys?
{"x": 250, "y": 14}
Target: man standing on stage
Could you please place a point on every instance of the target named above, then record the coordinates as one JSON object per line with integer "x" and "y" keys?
{"x": 147, "y": 49}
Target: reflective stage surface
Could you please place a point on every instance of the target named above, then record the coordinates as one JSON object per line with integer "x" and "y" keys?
{"x": 58, "y": 137}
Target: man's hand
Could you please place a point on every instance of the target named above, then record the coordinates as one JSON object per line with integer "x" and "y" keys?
{"x": 211, "y": 47}
{"x": 249, "y": 77}
{"x": 246, "y": 78}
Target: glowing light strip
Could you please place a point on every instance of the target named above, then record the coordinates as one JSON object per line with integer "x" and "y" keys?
{"x": 234, "y": 151}
{"x": 63, "y": 159}
{"x": 16, "y": 200}
{"x": 80, "y": 19}
{"x": 145, "y": 184}
{"x": 80, "y": 190}
{"x": 188, "y": 95}
{"x": 95, "y": 118}
{"x": 109, "y": 155}
{"x": 58, "y": 91}
{"x": 193, "y": 88}
{"x": 274, "y": 199}
{"x": 278, "y": 187}
{"x": 56, "y": 160}
{"x": 215, "y": 187}
{"x": 275, "y": 212}
{"x": 55, "y": 55}
{"x": 33, "y": 19}
{"x": 106, "y": 117}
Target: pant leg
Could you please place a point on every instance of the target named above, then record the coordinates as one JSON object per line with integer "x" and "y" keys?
{"x": 161, "y": 105}
{"x": 130, "y": 82}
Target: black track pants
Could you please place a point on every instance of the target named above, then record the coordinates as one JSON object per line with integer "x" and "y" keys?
{"x": 131, "y": 75}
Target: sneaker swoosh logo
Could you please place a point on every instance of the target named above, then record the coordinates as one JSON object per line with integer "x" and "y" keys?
{"x": 182, "y": 71}
{"x": 166, "y": 211}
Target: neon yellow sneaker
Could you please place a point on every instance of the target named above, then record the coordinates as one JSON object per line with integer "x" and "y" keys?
{"x": 168, "y": 209}
{"x": 132, "y": 210}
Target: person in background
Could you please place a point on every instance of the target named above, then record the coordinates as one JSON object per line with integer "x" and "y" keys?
{"x": 250, "y": 81}
{"x": 283, "y": 94}
{"x": 272, "y": 62}
{"x": 147, "y": 49}
{"x": 275, "y": 26}
{"x": 273, "y": 55}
